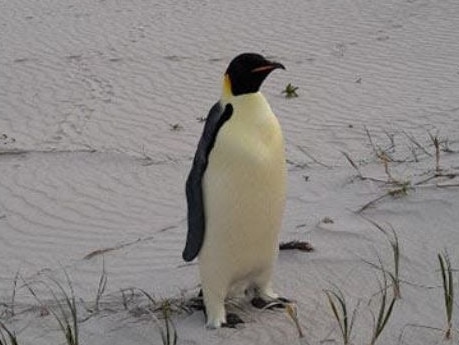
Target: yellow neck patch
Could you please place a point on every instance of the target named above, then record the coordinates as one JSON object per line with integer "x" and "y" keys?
{"x": 226, "y": 89}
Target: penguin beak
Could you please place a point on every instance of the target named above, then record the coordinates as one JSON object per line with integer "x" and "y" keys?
{"x": 270, "y": 66}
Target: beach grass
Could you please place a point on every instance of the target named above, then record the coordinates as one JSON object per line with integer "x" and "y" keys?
{"x": 167, "y": 330}
{"x": 385, "y": 308}
{"x": 343, "y": 316}
{"x": 393, "y": 240}
{"x": 65, "y": 313}
{"x": 448, "y": 290}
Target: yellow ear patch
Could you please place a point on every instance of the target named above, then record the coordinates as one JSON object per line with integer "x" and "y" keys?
{"x": 226, "y": 90}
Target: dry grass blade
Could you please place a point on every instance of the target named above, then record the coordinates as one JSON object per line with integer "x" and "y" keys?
{"x": 436, "y": 143}
{"x": 401, "y": 190}
{"x": 292, "y": 312}
{"x": 303, "y": 150}
{"x": 353, "y": 164}
{"x": 384, "y": 157}
{"x": 448, "y": 290}
{"x": 418, "y": 145}
{"x": 11, "y": 337}
{"x": 68, "y": 324}
{"x": 147, "y": 295}
{"x": 13, "y": 296}
{"x": 372, "y": 202}
{"x": 375, "y": 150}
{"x": 125, "y": 299}
{"x": 102, "y": 286}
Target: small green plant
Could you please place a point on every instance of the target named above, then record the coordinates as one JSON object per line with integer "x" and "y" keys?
{"x": 68, "y": 324}
{"x": 448, "y": 290}
{"x": 384, "y": 312}
{"x": 290, "y": 91}
{"x": 345, "y": 321}
{"x": 394, "y": 243}
{"x": 10, "y": 338}
{"x": 168, "y": 331}
{"x": 395, "y": 276}
{"x": 401, "y": 190}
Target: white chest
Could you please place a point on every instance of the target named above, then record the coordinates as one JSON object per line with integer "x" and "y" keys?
{"x": 244, "y": 190}
{"x": 252, "y": 137}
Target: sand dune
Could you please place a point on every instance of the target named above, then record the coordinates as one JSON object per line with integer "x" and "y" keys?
{"x": 100, "y": 113}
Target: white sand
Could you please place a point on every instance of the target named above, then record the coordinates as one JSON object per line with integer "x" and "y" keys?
{"x": 90, "y": 91}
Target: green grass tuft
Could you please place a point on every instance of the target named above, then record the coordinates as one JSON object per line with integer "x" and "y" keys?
{"x": 168, "y": 331}
{"x": 339, "y": 308}
{"x": 384, "y": 312}
{"x": 394, "y": 275}
{"x": 448, "y": 290}
{"x": 290, "y": 91}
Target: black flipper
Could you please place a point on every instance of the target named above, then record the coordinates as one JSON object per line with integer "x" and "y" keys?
{"x": 194, "y": 194}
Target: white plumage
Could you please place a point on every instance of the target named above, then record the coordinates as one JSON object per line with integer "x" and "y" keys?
{"x": 244, "y": 196}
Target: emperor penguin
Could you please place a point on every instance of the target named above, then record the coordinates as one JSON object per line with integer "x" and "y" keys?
{"x": 236, "y": 191}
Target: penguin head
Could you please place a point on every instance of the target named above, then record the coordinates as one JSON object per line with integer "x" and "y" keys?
{"x": 247, "y": 71}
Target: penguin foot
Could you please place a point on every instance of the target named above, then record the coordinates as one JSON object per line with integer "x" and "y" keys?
{"x": 197, "y": 303}
{"x": 232, "y": 320}
{"x": 260, "y": 303}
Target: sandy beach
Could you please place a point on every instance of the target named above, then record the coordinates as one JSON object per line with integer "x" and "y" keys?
{"x": 101, "y": 108}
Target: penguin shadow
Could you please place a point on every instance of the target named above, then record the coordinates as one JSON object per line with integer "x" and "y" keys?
{"x": 233, "y": 319}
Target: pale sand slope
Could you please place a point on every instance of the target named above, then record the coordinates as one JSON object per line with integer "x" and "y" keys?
{"x": 90, "y": 92}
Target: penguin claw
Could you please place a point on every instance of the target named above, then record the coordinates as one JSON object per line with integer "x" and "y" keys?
{"x": 260, "y": 303}
{"x": 284, "y": 300}
{"x": 232, "y": 320}
{"x": 197, "y": 303}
